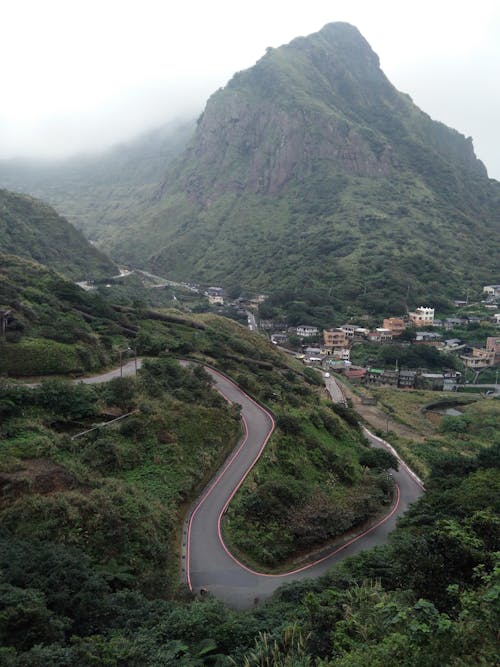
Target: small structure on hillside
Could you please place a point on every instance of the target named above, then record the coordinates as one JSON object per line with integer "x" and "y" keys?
{"x": 423, "y": 316}
{"x": 4, "y": 316}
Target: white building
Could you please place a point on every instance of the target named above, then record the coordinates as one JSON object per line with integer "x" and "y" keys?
{"x": 492, "y": 290}
{"x": 343, "y": 353}
{"x": 422, "y": 317}
{"x": 305, "y": 331}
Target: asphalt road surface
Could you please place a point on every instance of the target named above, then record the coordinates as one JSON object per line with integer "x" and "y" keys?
{"x": 128, "y": 368}
{"x": 208, "y": 564}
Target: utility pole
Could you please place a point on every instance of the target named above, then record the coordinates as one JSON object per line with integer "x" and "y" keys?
{"x": 125, "y": 349}
{"x": 3, "y": 321}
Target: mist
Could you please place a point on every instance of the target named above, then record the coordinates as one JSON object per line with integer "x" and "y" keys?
{"x": 82, "y": 76}
{"x": 124, "y": 118}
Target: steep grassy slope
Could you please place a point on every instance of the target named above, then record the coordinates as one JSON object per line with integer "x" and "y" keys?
{"x": 53, "y": 326}
{"x": 31, "y": 229}
{"x": 310, "y": 170}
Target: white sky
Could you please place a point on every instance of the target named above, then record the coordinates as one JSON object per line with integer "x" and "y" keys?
{"x": 83, "y": 74}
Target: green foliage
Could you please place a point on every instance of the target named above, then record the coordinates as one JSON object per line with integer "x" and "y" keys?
{"x": 33, "y": 230}
{"x": 406, "y": 356}
{"x": 428, "y": 598}
{"x": 43, "y": 357}
{"x": 25, "y": 619}
{"x": 55, "y": 327}
{"x": 66, "y": 400}
{"x": 378, "y": 458}
{"x": 454, "y": 425}
{"x": 308, "y": 488}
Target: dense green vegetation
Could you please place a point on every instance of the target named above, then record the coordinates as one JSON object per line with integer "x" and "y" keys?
{"x": 314, "y": 481}
{"x": 116, "y": 493}
{"x": 33, "y": 230}
{"x": 54, "y": 327}
{"x": 435, "y": 435}
{"x": 406, "y": 356}
{"x": 430, "y": 597}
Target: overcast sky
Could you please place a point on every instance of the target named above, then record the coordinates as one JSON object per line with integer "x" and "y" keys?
{"x": 84, "y": 74}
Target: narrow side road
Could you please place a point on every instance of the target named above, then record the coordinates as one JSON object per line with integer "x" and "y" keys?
{"x": 208, "y": 562}
{"x": 129, "y": 368}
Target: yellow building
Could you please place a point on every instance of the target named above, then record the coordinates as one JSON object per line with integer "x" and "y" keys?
{"x": 335, "y": 338}
{"x": 395, "y": 324}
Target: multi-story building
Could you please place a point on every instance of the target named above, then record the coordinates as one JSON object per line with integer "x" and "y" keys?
{"x": 395, "y": 324}
{"x": 492, "y": 290}
{"x": 380, "y": 335}
{"x": 350, "y": 329}
{"x": 343, "y": 353}
{"x": 407, "y": 379}
{"x": 335, "y": 338}
{"x": 478, "y": 357}
{"x": 215, "y": 295}
{"x": 422, "y": 317}
{"x": 493, "y": 345}
{"x": 379, "y": 376}
{"x": 306, "y": 331}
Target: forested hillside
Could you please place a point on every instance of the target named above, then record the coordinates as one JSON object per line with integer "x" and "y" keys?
{"x": 99, "y": 192}
{"x": 90, "y": 519}
{"x": 310, "y": 174}
{"x": 52, "y": 326}
{"x": 33, "y": 230}
{"x": 84, "y": 554}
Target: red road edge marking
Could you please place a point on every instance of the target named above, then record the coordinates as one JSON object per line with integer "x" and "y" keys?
{"x": 221, "y": 474}
{"x": 205, "y": 496}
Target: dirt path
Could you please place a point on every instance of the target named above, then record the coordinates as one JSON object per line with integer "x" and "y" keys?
{"x": 378, "y": 419}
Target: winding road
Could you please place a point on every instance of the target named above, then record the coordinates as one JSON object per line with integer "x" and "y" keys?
{"x": 208, "y": 563}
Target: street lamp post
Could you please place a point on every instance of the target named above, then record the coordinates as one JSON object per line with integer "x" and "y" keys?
{"x": 125, "y": 349}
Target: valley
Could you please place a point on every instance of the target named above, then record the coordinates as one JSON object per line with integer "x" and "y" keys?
{"x": 218, "y": 415}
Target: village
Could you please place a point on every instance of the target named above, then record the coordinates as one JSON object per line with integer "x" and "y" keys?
{"x": 335, "y": 349}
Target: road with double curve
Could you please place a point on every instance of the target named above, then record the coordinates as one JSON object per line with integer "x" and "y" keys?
{"x": 208, "y": 564}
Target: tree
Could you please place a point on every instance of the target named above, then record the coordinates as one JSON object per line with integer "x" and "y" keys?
{"x": 378, "y": 458}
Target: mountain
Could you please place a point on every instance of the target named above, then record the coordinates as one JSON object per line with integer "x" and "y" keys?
{"x": 98, "y": 192}
{"x": 311, "y": 173}
{"x": 309, "y": 177}
{"x": 33, "y": 230}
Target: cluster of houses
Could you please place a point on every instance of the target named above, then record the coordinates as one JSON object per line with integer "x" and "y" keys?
{"x": 405, "y": 379}
{"x": 330, "y": 348}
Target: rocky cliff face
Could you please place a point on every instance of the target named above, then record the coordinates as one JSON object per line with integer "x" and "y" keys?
{"x": 321, "y": 99}
{"x": 311, "y": 174}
